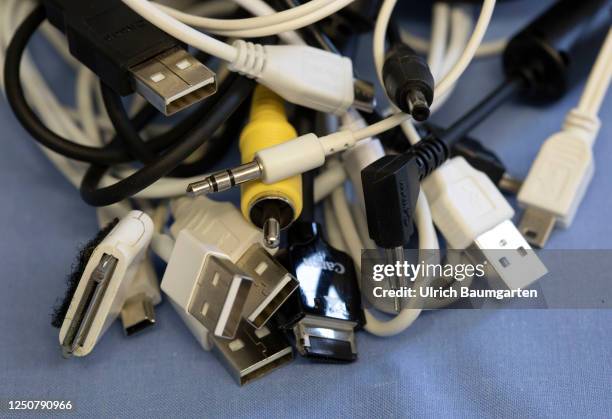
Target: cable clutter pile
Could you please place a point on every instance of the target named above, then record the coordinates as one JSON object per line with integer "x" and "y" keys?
{"x": 253, "y": 283}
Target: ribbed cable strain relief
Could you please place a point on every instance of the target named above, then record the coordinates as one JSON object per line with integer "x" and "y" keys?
{"x": 579, "y": 121}
{"x": 250, "y": 59}
{"x": 430, "y": 153}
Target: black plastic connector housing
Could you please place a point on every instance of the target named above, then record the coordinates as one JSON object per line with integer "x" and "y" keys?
{"x": 540, "y": 53}
{"x": 108, "y": 37}
{"x": 391, "y": 188}
{"x": 408, "y": 81}
{"x": 328, "y": 297}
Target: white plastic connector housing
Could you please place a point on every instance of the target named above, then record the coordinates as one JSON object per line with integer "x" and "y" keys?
{"x": 218, "y": 224}
{"x": 290, "y": 158}
{"x": 181, "y": 282}
{"x": 562, "y": 170}
{"x": 127, "y": 242}
{"x": 300, "y": 74}
{"x": 464, "y": 202}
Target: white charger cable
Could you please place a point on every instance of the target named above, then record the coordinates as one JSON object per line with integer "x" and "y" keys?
{"x": 564, "y": 167}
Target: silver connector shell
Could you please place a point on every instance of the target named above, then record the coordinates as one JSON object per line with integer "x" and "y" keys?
{"x": 272, "y": 285}
{"x": 173, "y": 80}
{"x": 508, "y": 257}
{"x": 253, "y": 352}
{"x": 137, "y": 314}
{"x": 536, "y": 226}
{"x": 219, "y": 297}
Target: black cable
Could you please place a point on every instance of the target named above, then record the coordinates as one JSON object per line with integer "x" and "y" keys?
{"x": 26, "y": 116}
{"x": 161, "y": 166}
{"x": 217, "y": 146}
{"x": 124, "y": 128}
{"x": 484, "y": 108}
{"x": 108, "y": 155}
{"x": 314, "y": 32}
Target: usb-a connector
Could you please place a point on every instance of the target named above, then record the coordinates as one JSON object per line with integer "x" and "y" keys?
{"x": 173, "y": 80}
{"x": 509, "y": 260}
{"x": 205, "y": 287}
{"x": 272, "y": 285}
{"x": 219, "y": 296}
{"x": 473, "y": 214}
{"x": 222, "y": 227}
{"x": 253, "y": 352}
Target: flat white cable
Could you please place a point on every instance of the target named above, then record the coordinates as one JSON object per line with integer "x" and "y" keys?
{"x": 334, "y": 235}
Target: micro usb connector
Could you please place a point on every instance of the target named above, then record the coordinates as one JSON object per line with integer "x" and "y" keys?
{"x": 253, "y": 352}
{"x": 137, "y": 314}
{"x": 173, "y": 80}
{"x": 272, "y": 285}
{"x": 510, "y": 261}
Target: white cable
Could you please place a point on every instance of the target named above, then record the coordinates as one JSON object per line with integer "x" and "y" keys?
{"x": 299, "y": 17}
{"x": 439, "y": 35}
{"x": 599, "y": 80}
{"x": 446, "y": 84}
{"x": 261, "y": 8}
{"x": 179, "y": 30}
{"x": 563, "y": 169}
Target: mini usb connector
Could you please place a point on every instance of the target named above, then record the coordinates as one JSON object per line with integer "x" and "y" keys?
{"x": 173, "y": 80}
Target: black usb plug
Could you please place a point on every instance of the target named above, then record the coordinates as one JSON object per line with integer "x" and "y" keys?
{"x": 130, "y": 54}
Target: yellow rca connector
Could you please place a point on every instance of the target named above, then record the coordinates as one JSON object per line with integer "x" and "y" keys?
{"x": 271, "y": 207}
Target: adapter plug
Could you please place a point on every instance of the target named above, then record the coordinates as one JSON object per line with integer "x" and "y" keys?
{"x": 408, "y": 81}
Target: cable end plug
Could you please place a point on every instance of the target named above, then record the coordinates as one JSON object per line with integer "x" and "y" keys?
{"x": 408, "y": 82}
{"x": 173, "y": 81}
{"x": 391, "y": 189}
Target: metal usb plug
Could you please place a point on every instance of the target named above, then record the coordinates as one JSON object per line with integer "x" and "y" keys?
{"x": 507, "y": 256}
{"x": 326, "y": 338}
{"x": 173, "y": 80}
{"x": 219, "y": 296}
{"x": 137, "y": 314}
{"x": 253, "y": 352}
{"x": 536, "y": 225}
{"x": 272, "y": 285}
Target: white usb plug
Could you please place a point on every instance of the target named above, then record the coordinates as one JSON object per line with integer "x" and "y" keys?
{"x": 213, "y": 240}
{"x": 471, "y": 213}
{"x": 105, "y": 284}
{"x": 304, "y": 75}
{"x": 558, "y": 178}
